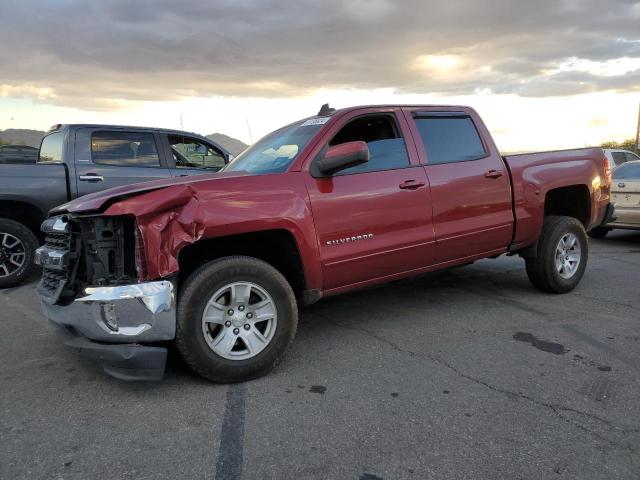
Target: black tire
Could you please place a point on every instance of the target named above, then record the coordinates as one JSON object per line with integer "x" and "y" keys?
{"x": 30, "y": 243}
{"x": 193, "y": 298}
{"x": 599, "y": 232}
{"x": 542, "y": 270}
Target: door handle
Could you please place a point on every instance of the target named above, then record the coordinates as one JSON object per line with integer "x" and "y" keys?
{"x": 91, "y": 177}
{"x": 621, "y": 184}
{"x": 411, "y": 185}
{"x": 494, "y": 173}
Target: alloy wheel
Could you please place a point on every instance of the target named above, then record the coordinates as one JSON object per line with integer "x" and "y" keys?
{"x": 239, "y": 320}
{"x": 568, "y": 254}
{"x": 12, "y": 254}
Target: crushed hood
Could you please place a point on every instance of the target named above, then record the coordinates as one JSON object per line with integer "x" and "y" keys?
{"x": 99, "y": 200}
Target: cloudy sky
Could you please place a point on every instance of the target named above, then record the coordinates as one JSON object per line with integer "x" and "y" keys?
{"x": 544, "y": 74}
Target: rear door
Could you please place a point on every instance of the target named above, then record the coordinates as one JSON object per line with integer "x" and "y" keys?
{"x": 108, "y": 158}
{"x": 625, "y": 194}
{"x": 470, "y": 186}
{"x": 373, "y": 220}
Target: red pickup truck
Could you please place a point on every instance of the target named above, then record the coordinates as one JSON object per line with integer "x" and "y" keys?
{"x": 342, "y": 200}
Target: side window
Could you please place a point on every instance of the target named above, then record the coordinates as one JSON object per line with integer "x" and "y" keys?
{"x": 124, "y": 149}
{"x": 450, "y": 139}
{"x": 51, "y": 148}
{"x": 381, "y": 134}
{"x": 618, "y": 157}
{"x": 191, "y": 153}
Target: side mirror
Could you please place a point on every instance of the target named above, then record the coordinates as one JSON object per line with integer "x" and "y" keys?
{"x": 340, "y": 157}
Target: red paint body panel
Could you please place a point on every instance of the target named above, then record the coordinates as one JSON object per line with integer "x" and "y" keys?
{"x": 472, "y": 214}
{"x": 96, "y": 201}
{"x": 171, "y": 218}
{"x": 397, "y": 221}
{"x": 371, "y": 203}
{"x": 454, "y": 215}
{"x": 534, "y": 174}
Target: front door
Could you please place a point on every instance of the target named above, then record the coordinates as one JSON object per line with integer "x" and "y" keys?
{"x": 111, "y": 158}
{"x": 373, "y": 220}
{"x": 470, "y": 186}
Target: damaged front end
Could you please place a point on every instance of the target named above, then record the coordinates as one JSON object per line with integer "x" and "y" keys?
{"x": 92, "y": 289}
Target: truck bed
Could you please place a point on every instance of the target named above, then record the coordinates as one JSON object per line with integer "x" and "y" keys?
{"x": 42, "y": 185}
{"x": 534, "y": 174}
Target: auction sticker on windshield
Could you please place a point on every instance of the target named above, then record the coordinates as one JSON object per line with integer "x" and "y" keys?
{"x": 316, "y": 121}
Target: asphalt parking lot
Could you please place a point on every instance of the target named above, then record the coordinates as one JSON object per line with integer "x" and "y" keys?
{"x": 466, "y": 373}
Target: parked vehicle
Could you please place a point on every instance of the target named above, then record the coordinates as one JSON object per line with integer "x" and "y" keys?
{"x": 18, "y": 154}
{"x": 325, "y": 205}
{"x": 79, "y": 159}
{"x": 618, "y": 157}
{"x": 625, "y": 194}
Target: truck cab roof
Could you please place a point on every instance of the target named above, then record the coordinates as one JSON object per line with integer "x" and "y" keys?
{"x": 71, "y": 126}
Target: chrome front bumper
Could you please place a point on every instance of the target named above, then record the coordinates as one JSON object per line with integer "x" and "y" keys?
{"x": 143, "y": 312}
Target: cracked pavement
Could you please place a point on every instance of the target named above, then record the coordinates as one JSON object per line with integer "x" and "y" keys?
{"x": 465, "y": 373}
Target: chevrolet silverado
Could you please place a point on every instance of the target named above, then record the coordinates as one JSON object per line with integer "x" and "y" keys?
{"x": 218, "y": 264}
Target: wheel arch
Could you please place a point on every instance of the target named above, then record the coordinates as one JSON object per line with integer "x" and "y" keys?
{"x": 23, "y": 212}
{"x": 569, "y": 201}
{"x": 277, "y": 247}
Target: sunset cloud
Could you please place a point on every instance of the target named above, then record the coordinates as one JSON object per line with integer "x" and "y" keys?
{"x": 102, "y": 55}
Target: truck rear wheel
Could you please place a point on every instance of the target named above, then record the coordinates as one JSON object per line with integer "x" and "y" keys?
{"x": 236, "y": 317}
{"x": 561, "y": 257}
{"x": 17, "y": 248}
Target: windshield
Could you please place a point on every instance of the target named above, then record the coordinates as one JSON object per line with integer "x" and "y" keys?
{"x": 275, "y": 152}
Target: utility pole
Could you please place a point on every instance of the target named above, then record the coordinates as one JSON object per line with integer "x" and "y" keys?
{"x": 249, "y": 128}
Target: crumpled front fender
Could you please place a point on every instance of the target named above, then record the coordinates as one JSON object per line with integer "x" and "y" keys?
{"x": 168, "y": 220}
{"x": 173, "y": 217}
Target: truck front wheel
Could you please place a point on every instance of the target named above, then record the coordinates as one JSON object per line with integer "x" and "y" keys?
{"x": 236, "y": 317}
{"x": 17, "y": 248}
{"x": 561, "y": 256}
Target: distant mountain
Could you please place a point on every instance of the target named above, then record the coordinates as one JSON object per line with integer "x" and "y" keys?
{"x": 233, "y": 145}
{"x": 18, "y": 136}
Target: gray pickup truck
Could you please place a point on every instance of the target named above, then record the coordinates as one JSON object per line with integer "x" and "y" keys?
{"x": 76, "y": 160}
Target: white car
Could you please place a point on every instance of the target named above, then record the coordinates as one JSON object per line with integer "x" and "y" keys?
{"x": 625, "y": 194}
{"x": 618, "y": 157}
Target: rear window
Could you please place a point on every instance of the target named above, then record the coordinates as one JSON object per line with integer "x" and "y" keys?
{"x": 618, "y": 157}
{"x": 124, "y": 149}
{"x": 51, "y": 148}
{"x": 450, "y": 139}
{"x": 628, "y": 171}
{"x": 631, "y": 157}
